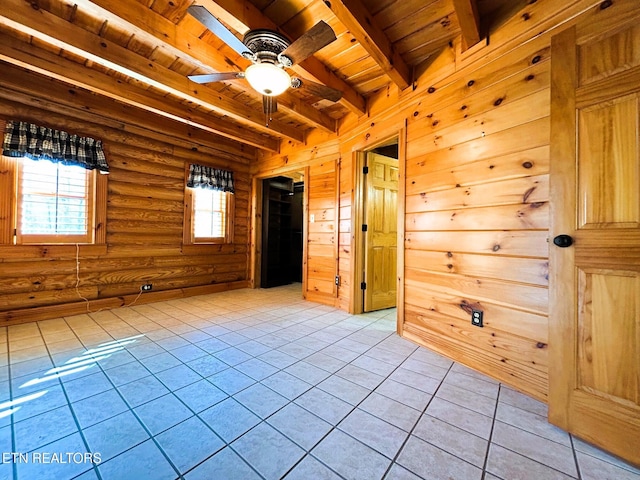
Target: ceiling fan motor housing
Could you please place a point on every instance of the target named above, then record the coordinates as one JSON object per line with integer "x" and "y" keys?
{"x": 266, "y": 46}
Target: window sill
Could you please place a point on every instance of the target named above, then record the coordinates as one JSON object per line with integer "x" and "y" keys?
{"x": 12, "y": 252}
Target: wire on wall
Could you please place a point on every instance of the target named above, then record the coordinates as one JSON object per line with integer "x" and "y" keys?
{"x": 78, "y": 285}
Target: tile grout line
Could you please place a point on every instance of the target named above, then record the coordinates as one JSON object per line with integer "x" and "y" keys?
{"x": 172, "y": 392}
{"x": 349, "y": 333}
{"x": 490, "y": 440}
{"x": 495, "y": 419}
{"x": 537, "y": 461}
{"x": 195, "y": 414}
{"x": 12, "y": 424}
{"x": 151, "y": 436}
{"x": 575, "y": 457}
{"x": 262, "y": 420}
{"x": 424, "y": 411}
{"x": 68, "y": 405}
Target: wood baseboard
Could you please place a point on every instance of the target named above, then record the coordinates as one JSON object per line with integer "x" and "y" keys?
{"x": 24, "y": 315}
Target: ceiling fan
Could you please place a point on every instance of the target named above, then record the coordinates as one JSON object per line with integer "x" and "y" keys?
{"x": 270, "y": 53}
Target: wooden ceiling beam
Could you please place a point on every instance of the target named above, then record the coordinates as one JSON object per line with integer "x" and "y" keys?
{"x": 45, "y": 26}
{"x": 40, "y": 61}
{"x": 469, "y": 20}
{"x": 355, "y": 16}
{"x": 306, "y": 113}
{"x": 177, "y": 41}
{"x": 24, "y": 88}
{"x": 242, "y": 15}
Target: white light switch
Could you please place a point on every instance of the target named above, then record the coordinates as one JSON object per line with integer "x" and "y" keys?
{"x": 312, "y": 218}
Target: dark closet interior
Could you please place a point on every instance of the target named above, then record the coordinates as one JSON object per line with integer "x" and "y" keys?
{"x": 282, "y": 231}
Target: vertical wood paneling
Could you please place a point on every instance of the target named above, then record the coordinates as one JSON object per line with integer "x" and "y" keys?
{"x": 322, "y": 239}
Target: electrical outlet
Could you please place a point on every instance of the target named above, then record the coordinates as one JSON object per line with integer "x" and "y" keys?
{"x": 147, "y": 287}
{"x": 476, "y": 318}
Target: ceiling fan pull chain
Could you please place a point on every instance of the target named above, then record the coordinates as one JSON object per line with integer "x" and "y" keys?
{"x": 267, "y": 106}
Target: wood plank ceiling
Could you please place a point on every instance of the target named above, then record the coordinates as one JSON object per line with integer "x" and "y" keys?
{"x": 139, "y": 52}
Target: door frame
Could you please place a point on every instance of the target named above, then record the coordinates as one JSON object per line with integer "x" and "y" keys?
{"x": 255, "y": 250}
{"x": 357, "y": 239}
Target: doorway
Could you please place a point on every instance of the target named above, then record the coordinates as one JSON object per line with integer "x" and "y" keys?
{"x": 282, "y": 230}
{"x": 378, "y": 256}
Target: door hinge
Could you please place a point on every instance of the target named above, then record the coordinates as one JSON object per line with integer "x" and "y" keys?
{"x": 365, "y": 170}
{"x": 363, "y": 285}
{"x": 364, "y": 227}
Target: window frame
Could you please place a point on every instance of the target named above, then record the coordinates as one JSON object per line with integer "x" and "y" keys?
{"x": 188, "y": 235}
{"x": 34, "y": 238}
{"x": 10, "y": 202}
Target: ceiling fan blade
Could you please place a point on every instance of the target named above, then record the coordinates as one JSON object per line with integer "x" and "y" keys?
{"x": 318, "y": 89}
{"x": 319, "y": 36}
{"x": 215, "y": 77}
{"x": 217, "y": 28}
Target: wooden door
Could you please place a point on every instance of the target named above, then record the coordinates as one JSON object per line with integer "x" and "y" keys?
{"x": 594, "y": 371}
{"x": 381, "y": 214}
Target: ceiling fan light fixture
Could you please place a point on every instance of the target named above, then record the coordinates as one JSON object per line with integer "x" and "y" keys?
{"x": 267, "y": 78}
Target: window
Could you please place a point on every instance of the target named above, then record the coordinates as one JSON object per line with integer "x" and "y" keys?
{"x": 209, "y": 215}
{"x": 50, "y": 190}
{"x": 54, "y": 203}
{"x": 210, "y": 222}
{"x": 208, "y": 211}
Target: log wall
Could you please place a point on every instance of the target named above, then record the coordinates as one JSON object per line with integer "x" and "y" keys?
{"x": 477, "y": 199}
{"x": 147, "y": 157}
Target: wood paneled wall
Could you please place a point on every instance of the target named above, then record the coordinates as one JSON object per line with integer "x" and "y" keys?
{"x": 147, "y": 157}
{"x": 477, "y": 218}
{"x": 477, "y": 204}
{"x": 321, "y": 238}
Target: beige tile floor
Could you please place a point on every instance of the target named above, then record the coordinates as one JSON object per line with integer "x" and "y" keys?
{"x": 259, "y": 384}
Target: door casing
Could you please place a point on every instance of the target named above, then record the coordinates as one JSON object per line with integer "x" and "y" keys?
{"x": 381, "y": 234}
{"x": 255, "y": 252}
{"x": 356, "y": 304}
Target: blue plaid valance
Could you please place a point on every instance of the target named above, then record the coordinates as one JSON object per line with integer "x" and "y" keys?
{"x": 201, "y": 176}
{"x": 24, "y": 139}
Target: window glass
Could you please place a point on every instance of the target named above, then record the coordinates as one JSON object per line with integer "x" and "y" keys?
{"x": 53, "y": 201}
{"x": 209, "y": 215}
